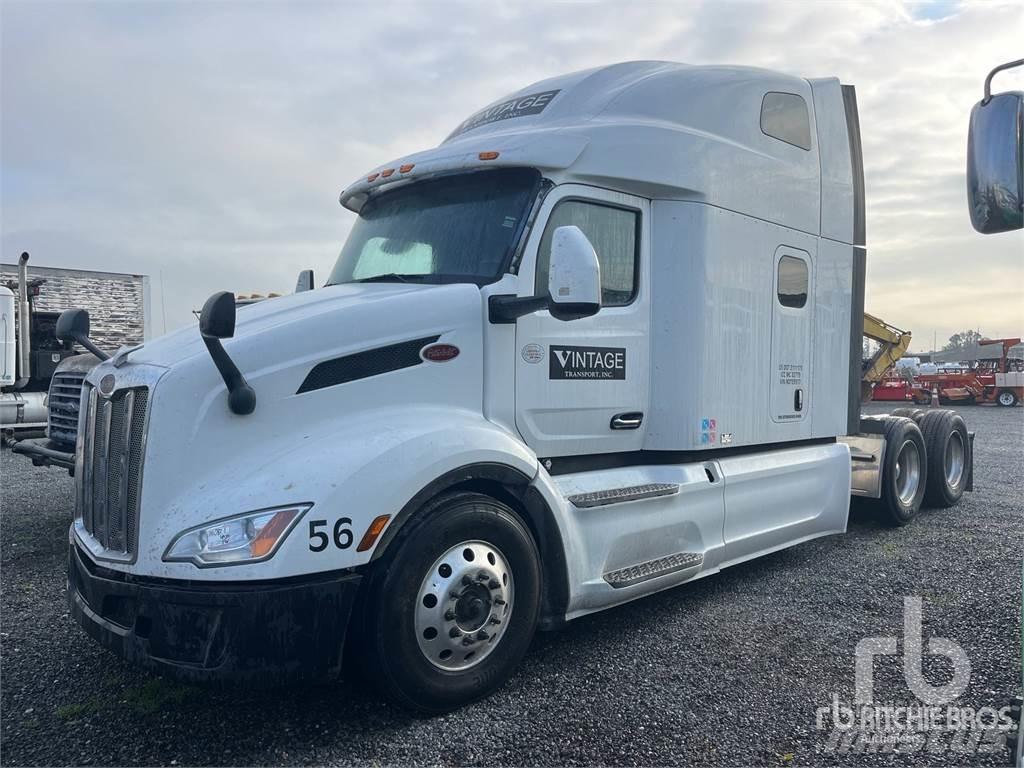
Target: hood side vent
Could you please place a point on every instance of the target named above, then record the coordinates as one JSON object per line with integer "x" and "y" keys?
{"x": 361, "y": 365}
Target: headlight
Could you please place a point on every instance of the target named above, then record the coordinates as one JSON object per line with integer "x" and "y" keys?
{"x": 248, "y": 538}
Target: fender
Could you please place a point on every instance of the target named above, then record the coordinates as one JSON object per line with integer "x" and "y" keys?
{"x": 501, "y": 480}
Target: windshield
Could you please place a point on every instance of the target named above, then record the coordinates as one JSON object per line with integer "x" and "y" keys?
{"x": 452, "y": 229}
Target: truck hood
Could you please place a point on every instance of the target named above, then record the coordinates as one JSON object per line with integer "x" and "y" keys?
{"x": 202, "y": 461}
{"x": 354, "y": 300}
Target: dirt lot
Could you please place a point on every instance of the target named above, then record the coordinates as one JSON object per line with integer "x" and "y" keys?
{"x": 728, "y": 670}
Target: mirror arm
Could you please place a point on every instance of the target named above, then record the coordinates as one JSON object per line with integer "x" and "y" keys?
{"x": 241, "y": 397}
{"x": 1000, "y": 68}
{"x": 86, "y": 342}
{"x": 507, "y": 308}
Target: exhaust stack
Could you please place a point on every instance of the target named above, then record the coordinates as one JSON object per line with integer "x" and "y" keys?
{"x": 24, "y": 325}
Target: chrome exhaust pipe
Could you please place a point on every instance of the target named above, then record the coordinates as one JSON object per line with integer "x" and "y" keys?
{"x": 24, "y": 325}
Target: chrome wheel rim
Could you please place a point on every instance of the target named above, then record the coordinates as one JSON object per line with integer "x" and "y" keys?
{"x": 954, "y": 459}
{"x": 1006, "y": 398}
{"x": 908, "y": 472}
{"x": 463, "y": 605}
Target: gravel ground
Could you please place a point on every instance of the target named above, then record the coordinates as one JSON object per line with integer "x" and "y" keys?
{"x": 727, "y": 670}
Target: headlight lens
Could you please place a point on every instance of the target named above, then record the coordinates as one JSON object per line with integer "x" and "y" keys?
{"x": 247, "y": 538}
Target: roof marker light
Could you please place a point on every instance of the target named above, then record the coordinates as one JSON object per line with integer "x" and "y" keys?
{"x": 386, "y": 172}
{"x": 407, "y": 167}
{"x": 488, "y": 155}
{"x": 372, "y": 176}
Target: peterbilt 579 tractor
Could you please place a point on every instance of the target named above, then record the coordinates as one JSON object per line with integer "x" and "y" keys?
{"x": 514, "y": 402}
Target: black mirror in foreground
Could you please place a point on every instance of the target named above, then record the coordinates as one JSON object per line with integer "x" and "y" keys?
{"x": 995, "y": 159}
{"x": 73, "y": 325}
{"x": 216, "y": 322}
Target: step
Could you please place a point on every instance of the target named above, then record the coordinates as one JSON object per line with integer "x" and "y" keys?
{"x": 620, "y": 495}
{"x": 652, "y": 569}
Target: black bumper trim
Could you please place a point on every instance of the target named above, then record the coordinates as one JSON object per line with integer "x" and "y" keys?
{"x": 265, "y": 632}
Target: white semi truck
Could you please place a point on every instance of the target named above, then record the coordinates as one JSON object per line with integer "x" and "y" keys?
{"x": 604, "y": 340}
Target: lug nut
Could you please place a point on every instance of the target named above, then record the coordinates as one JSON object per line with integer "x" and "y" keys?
{"x": 493, "y": 584}
{"x": 482, "y": 576}
{"x": 449, "y": 615}
{"x": 454, "y": 632}
{"x": 467, "y": 640}
{"x": 498, "y": 601}
{"x": 495, "y": 620}
{"x": 467, "y": 581}
{"x": 482, "y": 635}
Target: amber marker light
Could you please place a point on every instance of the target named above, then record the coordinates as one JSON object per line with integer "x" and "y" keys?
{"x": 375, "y": 530}
{"x": 406, "y": 168}
{"x": 269, "y": 535}
{"x": 488, "y": 155}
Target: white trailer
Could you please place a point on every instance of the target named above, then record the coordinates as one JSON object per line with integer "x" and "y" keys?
{"x": 604, "y": 340}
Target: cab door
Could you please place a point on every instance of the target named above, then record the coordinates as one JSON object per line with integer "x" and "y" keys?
{"x": 790, "y": 384}
{"x": 582, "y": 386}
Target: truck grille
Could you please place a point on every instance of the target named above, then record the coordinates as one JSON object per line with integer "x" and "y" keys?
{"x": 65, "y": 397}
{"x": 111, "y": 472}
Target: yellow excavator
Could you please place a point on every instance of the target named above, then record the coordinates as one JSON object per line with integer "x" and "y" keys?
{"x": 892, "y": 344}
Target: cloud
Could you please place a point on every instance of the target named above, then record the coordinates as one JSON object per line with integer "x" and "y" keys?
{"x": 207, "y": 142}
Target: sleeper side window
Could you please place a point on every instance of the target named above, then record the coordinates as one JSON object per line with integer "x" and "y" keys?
{"x": 614, "y": 233}
{"x": 792, "y": 282}
{"x": 784, "y": 117}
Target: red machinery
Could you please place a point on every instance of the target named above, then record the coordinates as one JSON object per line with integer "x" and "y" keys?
{"x": 989, "y": 381}
{"x": 900, "y": 389}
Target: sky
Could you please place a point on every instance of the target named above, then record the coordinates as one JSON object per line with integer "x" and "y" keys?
{"x": 205, "y": 143}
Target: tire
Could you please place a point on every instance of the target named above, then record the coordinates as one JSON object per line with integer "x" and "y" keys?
{"x": 949, "y": 456}
{"x": 910, "y": 413}
{"x": 903, "y": 477}
{"x": 1007, "y": 398}
{"x": 410, "y": 612}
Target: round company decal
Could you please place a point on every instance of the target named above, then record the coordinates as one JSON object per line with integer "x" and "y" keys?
{"x": 533, "y": 353}
{"x": 107, "y": 384}
{"x": 440, "y": 353}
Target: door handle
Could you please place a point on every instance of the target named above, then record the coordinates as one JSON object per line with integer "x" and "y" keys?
{"x": 798, "y": 400}
{"x": 631, "y": 420}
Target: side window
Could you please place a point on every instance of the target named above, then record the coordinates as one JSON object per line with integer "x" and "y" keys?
{"x": 792, "y": 282}
{"x": 784, "y": 117}
{"x": 614, "y": 233}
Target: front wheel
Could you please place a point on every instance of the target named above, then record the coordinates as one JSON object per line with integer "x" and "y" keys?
{"x": 452, "y": 606}
{"x": 1007, "y": 398}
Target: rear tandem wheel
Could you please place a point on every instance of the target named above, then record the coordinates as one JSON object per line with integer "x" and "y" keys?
{"x": 904, "y": 470}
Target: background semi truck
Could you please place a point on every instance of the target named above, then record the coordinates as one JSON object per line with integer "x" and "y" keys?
{"x": 512, "y": 403}
{"x": 41, "y": 376}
